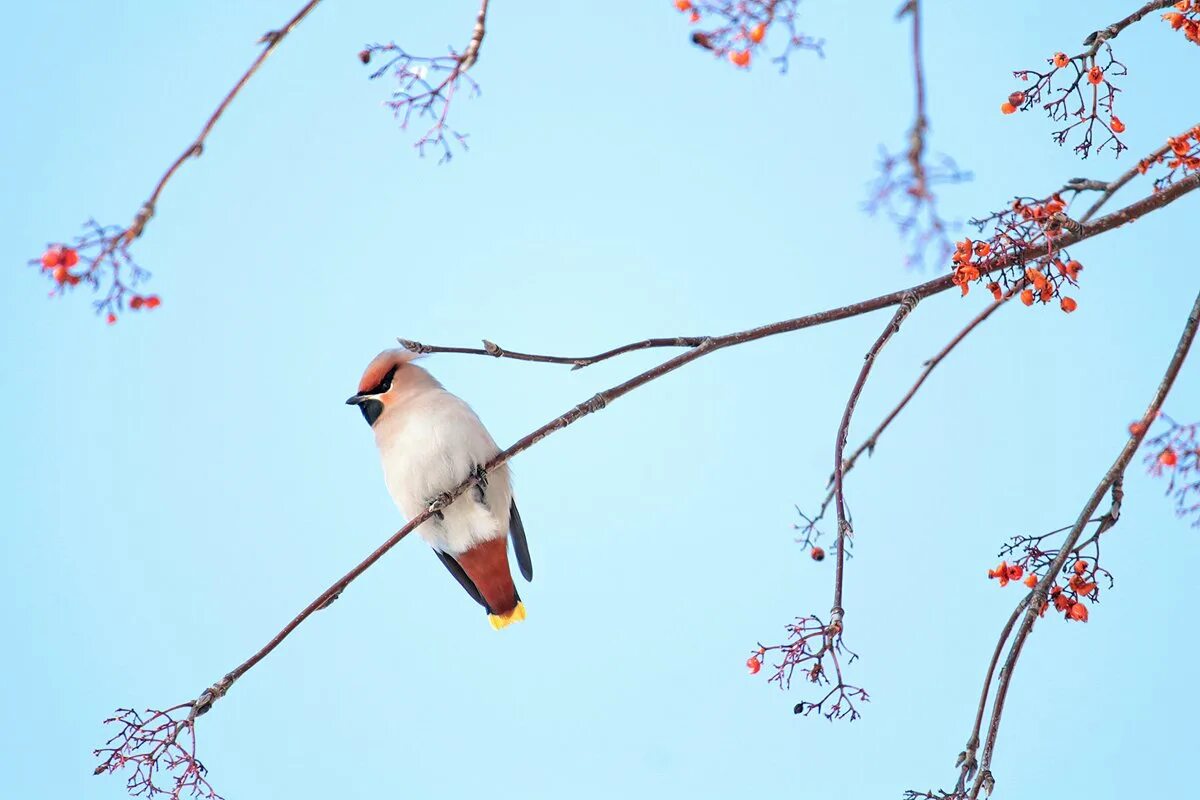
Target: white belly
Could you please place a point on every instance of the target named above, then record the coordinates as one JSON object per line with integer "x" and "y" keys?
{"x": 430, "y": 448}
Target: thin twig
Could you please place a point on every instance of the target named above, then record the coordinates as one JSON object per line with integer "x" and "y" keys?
{"x": 844, "y": 529}
{"x": 271, "y": 39}
{"x": 1123, "y": 179}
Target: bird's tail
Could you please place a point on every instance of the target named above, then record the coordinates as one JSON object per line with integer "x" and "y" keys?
{"x": 504, "y": 620}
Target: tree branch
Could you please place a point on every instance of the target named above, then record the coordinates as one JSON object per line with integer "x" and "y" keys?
{"x": 844, "y": 529}
{"x": 997, "y": 262}
{"x": 1112, "y": 480}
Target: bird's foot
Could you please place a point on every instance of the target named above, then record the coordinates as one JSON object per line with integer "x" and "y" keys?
{"x": 438, "y": 503}
{"x": 481, "y": 481}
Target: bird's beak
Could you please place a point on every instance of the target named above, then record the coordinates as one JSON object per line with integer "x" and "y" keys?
{"x": 358, "y": 398}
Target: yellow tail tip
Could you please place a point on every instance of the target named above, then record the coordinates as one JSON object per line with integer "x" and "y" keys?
{"x": 504, "y": 620}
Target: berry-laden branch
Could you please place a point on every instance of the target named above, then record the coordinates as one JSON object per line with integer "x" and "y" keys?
{"x": 809, "y": 531}
{"x": 1080, "y": 88}
{"x": 737, "y": 29}
{"x": 903, "y": 189}
{"x": 427, "y": 85}
{"x": 1044, "y": 591}
{"x": 104, "y": 249}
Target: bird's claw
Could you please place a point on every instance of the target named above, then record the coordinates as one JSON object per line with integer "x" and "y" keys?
{"x": 440, "y": 502}
{"x": 481, "y": 481}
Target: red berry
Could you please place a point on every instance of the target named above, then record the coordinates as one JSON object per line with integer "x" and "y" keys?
{"x": 153, "y": 302}
{"x": 61, "y": 275}
{"x": 136, "y": 302}
{"x": 51, "y": 257}
{"x": 69, "y": 257}
{"x": 753, "y": 664}
{"x": 111, "y": 319}
{"x": 818, "y": 554}
{"x": 1016, "y": 98}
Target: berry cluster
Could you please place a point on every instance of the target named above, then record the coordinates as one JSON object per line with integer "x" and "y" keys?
{"x": 816, "y": 649}
{"x": 740, "y": 28}
{"x": 1024, "y": 241}
{"x": 1066, "y": 599}
{"x": 1181, "y": 154}
{"x": 1186, "y": 17}
{"x": 1175, "y": 454}
{"x": 99, "y": 259}
{"x": 1075, "y": 88}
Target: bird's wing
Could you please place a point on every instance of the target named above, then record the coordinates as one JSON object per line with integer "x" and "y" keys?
{"x": 520, "y": 543}
{"x": 461, "y": 576}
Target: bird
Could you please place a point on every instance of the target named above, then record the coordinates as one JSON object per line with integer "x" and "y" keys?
{"x": 429, "y": 442}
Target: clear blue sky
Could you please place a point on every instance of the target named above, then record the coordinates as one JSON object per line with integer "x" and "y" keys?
{"x": 175, "y": 487}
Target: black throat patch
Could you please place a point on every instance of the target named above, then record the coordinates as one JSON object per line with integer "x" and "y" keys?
{"x": 371, "y": 409}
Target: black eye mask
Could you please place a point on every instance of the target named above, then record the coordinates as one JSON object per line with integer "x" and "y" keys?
{"x": 385, "y": 384}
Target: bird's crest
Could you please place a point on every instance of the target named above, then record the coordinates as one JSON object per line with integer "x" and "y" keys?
{"x": 381, "y": 365}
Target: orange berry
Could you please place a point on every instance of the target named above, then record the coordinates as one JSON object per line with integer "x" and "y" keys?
{"x": 61, "y": 275}
{"x": 1136, "y": 429}
{"x": 982, "y": 249}
{"x": 757, "y": 32}
{"x": 1080, "y": 567}
{"x": 1117, "y": 125}
{"x": 52, "y": 257}
{"x": 69, "y": 257}
{"x": 818, "y": 554}
{"x": 1016, "y": 98}
{"x": 994, "y": 288}
{"x": 1031, "y": 580}
{"x": 1168, "y": 458}
{"x": 1061, "y": 60}
{"x": 1007, "y": 108}
{"x": 1095, "y": 76}
{"x": 683, "y": 5}
{"x": 740, "y": 58}
{"x": 1015, "y": 572}
{"x": 1078, "y": 612}
{"x": 1069, "y": 304}
{"x": 1027, "y": 297}
{"x": 753, "y": 664}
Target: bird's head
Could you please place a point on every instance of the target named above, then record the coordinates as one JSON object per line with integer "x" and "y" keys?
{"x": 388, "y": 377}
